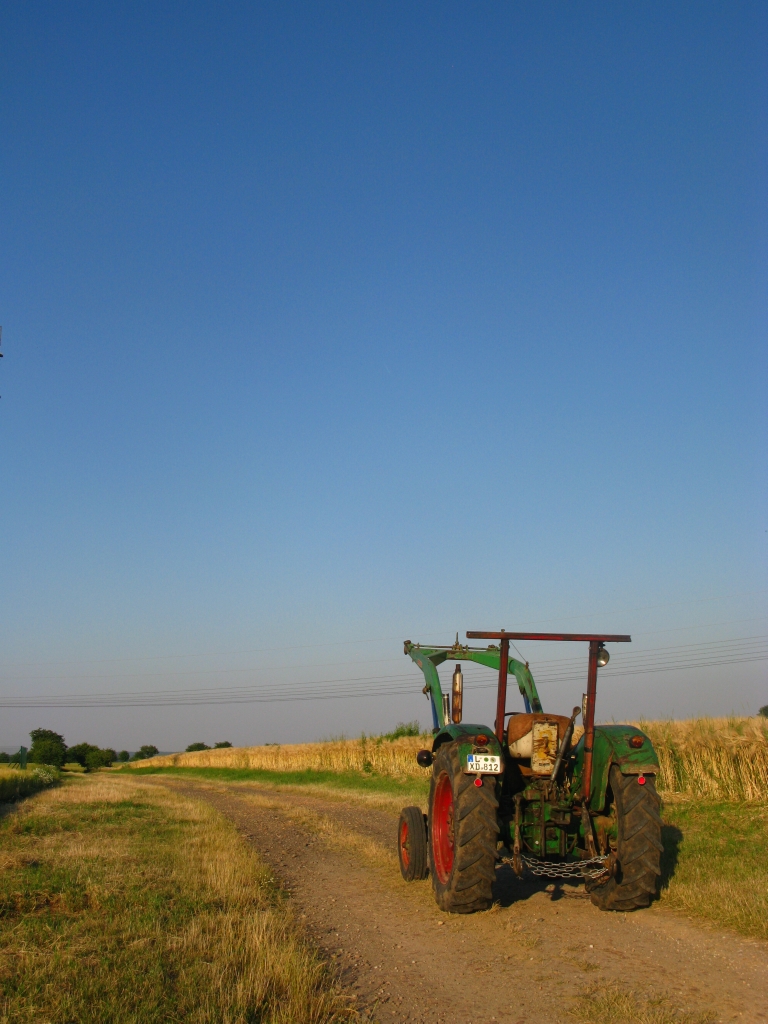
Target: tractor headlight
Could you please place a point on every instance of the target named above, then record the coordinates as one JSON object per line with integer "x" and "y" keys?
{"x": 603, "y": 657}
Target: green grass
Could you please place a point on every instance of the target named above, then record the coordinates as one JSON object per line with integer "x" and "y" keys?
{"x": 122, "y": 903}
{"x": 355, "y": 782}
{"x": 715, "y": 864}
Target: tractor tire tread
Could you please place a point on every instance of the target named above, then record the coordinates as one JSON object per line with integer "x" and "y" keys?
{"x": 417, "y": 866}
{"x": 476, "y": 829}
{"x": 639, "y": 845}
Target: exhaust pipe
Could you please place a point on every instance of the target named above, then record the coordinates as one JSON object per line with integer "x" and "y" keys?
{"x": 457, "y": 695}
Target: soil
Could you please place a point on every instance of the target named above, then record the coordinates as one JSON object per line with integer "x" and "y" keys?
{"x": 528, "y": 959}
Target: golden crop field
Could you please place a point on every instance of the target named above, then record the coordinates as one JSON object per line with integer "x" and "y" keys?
{"x": 717, "y": 758}
{"x": 396, "y": 758}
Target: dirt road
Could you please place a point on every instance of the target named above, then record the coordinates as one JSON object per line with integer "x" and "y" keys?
{"x": 527, "y": 960}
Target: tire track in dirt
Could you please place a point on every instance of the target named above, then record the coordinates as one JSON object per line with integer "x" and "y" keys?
{"x": 525, "y": 960}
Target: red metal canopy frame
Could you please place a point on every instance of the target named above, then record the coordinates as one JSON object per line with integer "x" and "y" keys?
{"x": 595, "y": 640}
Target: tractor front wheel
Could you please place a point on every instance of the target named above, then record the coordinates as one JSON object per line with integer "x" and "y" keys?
{"x": 462, "y": 835}
{"x": 412, "y": 844}
{"x": 636, "y": 805}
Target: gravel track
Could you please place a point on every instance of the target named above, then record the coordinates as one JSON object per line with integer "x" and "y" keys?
{"x": 526, "y": 960}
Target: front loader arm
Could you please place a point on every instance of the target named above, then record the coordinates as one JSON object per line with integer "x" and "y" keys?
{"x": 428, "y": 658}
{"x": 520, "y": 671}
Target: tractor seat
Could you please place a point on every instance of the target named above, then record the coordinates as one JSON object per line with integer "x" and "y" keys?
{"x": 538, "y": 737}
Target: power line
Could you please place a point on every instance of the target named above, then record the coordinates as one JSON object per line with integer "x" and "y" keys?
{"x": 425, "y": 632}
{"x": 704, "y": 655}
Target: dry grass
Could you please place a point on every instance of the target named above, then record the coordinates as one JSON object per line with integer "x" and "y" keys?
{"x": 396, "y": 758}
{"x": 331, "y": 832}
{"x": 124, "y": 902}
{"x": 602, "y": 1004}
{"x": 713, "y": 758}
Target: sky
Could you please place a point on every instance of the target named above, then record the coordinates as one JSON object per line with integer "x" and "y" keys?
{"x": 328, "y": 326}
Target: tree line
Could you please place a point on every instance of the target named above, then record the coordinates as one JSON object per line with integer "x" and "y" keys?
{"x": 49, "y": 747}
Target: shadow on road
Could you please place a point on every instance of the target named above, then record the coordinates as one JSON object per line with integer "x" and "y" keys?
{"x": 509, "y": 889}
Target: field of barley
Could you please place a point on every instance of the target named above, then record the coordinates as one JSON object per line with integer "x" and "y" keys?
{"x": 716, "y": 758}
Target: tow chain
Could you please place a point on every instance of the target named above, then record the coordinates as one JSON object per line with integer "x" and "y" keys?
{"x": 583, "y": 869}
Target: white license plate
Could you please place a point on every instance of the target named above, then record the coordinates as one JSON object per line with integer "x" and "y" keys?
{"x": 490, "y": 763}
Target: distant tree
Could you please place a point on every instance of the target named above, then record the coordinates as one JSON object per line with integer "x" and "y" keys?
{"x": 218, "y": 746}
{"x": 764, "y": 711}
{"x": 97, "y": 758}
{"x": 78, "y": 754}
{"x": 48, "y": 747}
{"x": 90, "y": 756}
{"x": 4, "y": 758}
{"x": 123, "y": 756}
{"x": 197, "y": 746}
{"x": 144, "y": 752}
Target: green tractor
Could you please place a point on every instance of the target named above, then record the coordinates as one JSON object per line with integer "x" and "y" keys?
{"x": 525, "y": 794}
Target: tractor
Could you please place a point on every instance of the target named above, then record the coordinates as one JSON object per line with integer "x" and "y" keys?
{"x": 525, "y": 794}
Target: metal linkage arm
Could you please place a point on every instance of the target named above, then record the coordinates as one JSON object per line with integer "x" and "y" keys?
{"x": 428, "y": 658}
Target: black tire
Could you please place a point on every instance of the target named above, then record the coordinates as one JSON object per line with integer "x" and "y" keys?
{"x": 468, "y": 832}
{"x": 412, "y": 844}
{"x": 639, "y": 848}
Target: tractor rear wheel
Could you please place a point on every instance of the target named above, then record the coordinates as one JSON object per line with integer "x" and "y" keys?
{"x": 462, "y": 835}
{"x": 638, "y": 853}
{"x": 412, "y": 844}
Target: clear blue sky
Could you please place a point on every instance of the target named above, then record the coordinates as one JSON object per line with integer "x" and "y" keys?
{"x": 356, "y": 322}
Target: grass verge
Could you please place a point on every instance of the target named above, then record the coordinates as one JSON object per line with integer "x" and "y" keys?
{"x": 16, "y": 784}
{"x": 125, "y": 902}
{"x": 714, "y": 864}
{"x": 353, "y": 783}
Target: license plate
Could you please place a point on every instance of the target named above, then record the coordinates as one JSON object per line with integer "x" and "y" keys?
{"x": 490, "y": 763}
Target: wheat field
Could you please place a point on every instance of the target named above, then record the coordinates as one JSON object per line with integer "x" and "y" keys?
{"x": 713, "y": 758}
{"x": 396, "y": 758}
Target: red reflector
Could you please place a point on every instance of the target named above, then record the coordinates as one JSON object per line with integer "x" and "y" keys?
{"x": 641, "y": 780}
{"x": 481, "y": 739}
{"x": 636, "y": 741}
{"x": 479, "y": 781}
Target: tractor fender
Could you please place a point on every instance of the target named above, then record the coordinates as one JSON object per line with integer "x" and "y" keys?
{"x": 466, "y": 737}
{"x": 612, "y": 746}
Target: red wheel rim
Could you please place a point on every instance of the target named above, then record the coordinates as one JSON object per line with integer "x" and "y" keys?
{"x": 442, "y": 828}
{"x": 404, "y": 855}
